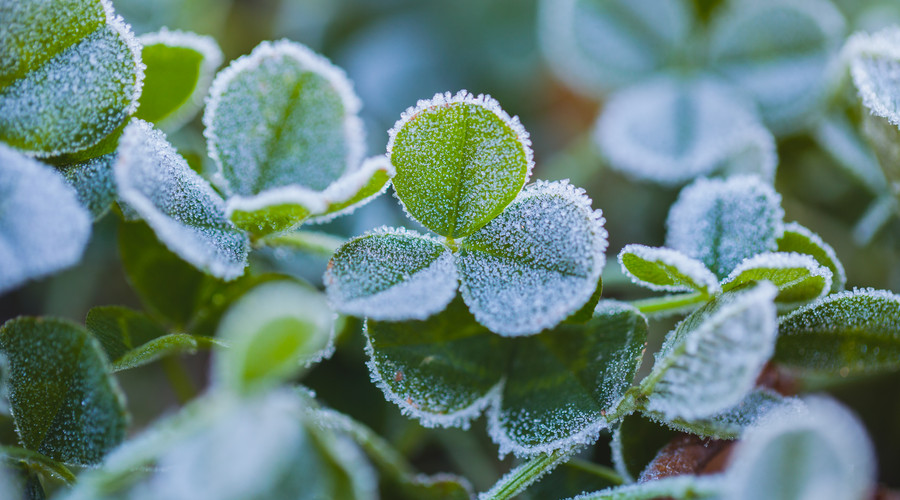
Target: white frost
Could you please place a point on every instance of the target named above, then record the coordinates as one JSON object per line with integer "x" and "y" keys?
{"x": 784, "y": 261}
{"x": 874, "y": 61}
{"x": 691, "y": 268}
{"x": 839, "y": 278}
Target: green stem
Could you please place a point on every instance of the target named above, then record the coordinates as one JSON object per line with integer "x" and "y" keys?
{"x": 669, "y": 303}
{"x": 312, "y": 242}
{"x": 179, "y": 378}
{"x": 516, "y": 480}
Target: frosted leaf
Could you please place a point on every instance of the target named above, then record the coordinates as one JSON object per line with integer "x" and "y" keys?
{"x": 598, "y": 45}
{"x": 797, "y": 238}
{"x": 536, "y": 263}
{"x": 778, "y": 52}
{"x": 799, "y": 278}
{"x": 670, "y": 130}
{"x": 182, "y": 208}
{"x": 282, "y": 116}
{"x": 443, "y": 371}
{"x": 664, "y": 269}
{"x": 560, "y": 384}
{"x": 356, "y": 189}
{"x": 686, "y": 486}
{"x": 35, "y": 196}
{"x": 460, "y": 161}
{"x": 273, "y": 331}
{"x": 391, "y": 274}
{"x": 723, "y": 222}
{"x": 636, "y": 440}
{"x": 874, "y": 61}
{"x": 847, "y": 333}
{"x": 712, "y": 358}
{"x": 841, "y": 139}
{"x": 180, "y": 69}
{"x": 884, "y": 137}
{"x": 94, "y": 183}
{"x": 65, "y": 403}
{"x": 821, "y": 451}
{"x": 70, "y": 74}
{"x": 276, "y": 210}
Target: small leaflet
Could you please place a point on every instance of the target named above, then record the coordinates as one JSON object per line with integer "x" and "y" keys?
{"x": 799, "y": 278}
{"x": 36, "y": 196}
{"x": 272, "y": 332}
{"x": 666, "y": 270}
{"x": 276, "y": 210}
{"x": 89, "y": 79}
{"x": 819, "y": 450}
{"x": 460, "y": 160}
{"x": 66, "y": 404}
{"x": 282, "y": 116}
{"x": 849, "y": 333}
{"x": 778, "y": 52}
{"x": 94, "y": 183}
{"x": 180, "y": 69}
{"x": 874, "y": 61}
{"x": 723, "y": 222}
{"x": 596, "y": 47}
{"x": 392, "y": 275}
{"x": 710, "y": 362}
{"x": 536, "y": 263}
{"x": 182, "y": 208}
{"x": 799, "y": 239}
{"x": 670, "y": 130}
{"x": 356, "y": 189}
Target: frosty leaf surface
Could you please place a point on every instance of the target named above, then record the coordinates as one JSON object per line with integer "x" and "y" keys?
{"x": 670, "y": 130}
{"x": 536, "y": 263}
{"x": 635, "y": 442}
{"x": 853, "y": 332}
{"x": 391, "y": 274}
{"x": 273, "y": 331}
{"x": 686, "y": 486}
{"x": 180, "y": 68}
{"x": 33, "y": 195}
{"x": 664, "y": 269}
{"x": 356, "y": 188}
{"x": 277, "y": 210}
{"x": 778, "y": 53}
{"x": 723, "y": 222}
{"x": 799, "y": 239}
{"x": 181, "y": 207}
{"x": 282, "y": 116}
{"x": 460, "y": 161}
{"x": 820, "y": 451}
{"x": 66, "y": 404}
{"x": 80, "y": 58}
{"x": 710, "y": 361}
{"x": 874, "y": 61}
{"x": 799, "y": 278}
{"x": 599, "y": 45}
{"x": 94, "y": 183}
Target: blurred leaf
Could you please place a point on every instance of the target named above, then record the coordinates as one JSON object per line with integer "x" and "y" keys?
{"x": 664, "y": 269}
{"x": 635, "y": 442}
{"x": 843, "y": 141}
{"x": 47, "y": 466}
{"x": 799, "y": 239}
{"x": 490, "y": 154}
{"x": 66, "y": 404}
{"x": 799, "y": 278}
{"x": 573, "y": 478}
{"x": 81, "y": 59}
{"x": 684, "y": 487}
{"x": 94, "y": 183}
{"x": 43, "y": 227}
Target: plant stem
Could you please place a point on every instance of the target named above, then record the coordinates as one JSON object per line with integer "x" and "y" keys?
{"x": 516, "y": 480}
{"x": 312, "y": 242}
{"x": 669, "y": 303}
{"x": 179, "y": 378}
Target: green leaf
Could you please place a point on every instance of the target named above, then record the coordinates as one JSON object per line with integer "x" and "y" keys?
{"x": 778, "y": 52}
{"x": 131, "y": 339}
{"x": 723, "y": 222}
{"x": 572, "y": 478}
{"x": 711, "y": 360}
{"x": 664, "y": 269}
{"x": 799, "y": 278}
{"x": 822, "y": 452}
{"x": 874, "y": 61}
{"x": 799, "y": 239}
{"x": 682, "y": 487}
{"x": 460, "y": 161}
{"x": 81, "y": 59}
{"x": 635, "y": 443}
{"x": 356, "y": 189}
{"x": 182, "y": 208}
{"x": 66, "y": 404}
{"x": 94, "y": 183}
{"x": 536, "y": 263}
{"x": 586, "y": 312}
{"x": 273, "y": 332}
{"x": 391, "y": 274}
{"x": 180, "y": 68}
{"x": 43, "y": 227}
{"x": 854, "y": 332}
{"x": 558, "y": 385}
{"x": 34, "y": 460}
{"x": 577, "y": 37}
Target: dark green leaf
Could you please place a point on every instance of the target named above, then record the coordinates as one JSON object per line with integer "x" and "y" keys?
{"x": 667, "y": 270}
{"x": 799, "y": 239}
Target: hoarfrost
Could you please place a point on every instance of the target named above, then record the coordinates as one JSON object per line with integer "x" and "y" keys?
{"x": 186, "y": 214}
{"x": 798, "y": 277}
{"x": 664, "y": 269}
{"x": 797, "y": 238}
{"x": 686, "y": 486}
{"x": 670, "y": 130}
{"x": 43, "y": 227}
{"x": 536, "y": 263}
{"x": 356, "y": 188}
{"x": 711, "y": 360}
{"x": 94, "y": 183}
{"x": 874, "y": 61}
{"x": 722, "y": 222}
{"x": 391, "y": 274}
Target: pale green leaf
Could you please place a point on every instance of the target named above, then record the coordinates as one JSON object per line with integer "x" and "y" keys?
{"x": 94, "y": 183}
{"x": 874, "y": 61}
{"x": 680, "y": 487}
{"x": 798, "y": 277}
{"x": 460, "y": 161}
{"x": 664, "y": 269}
{"x": 799, "y": 239}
